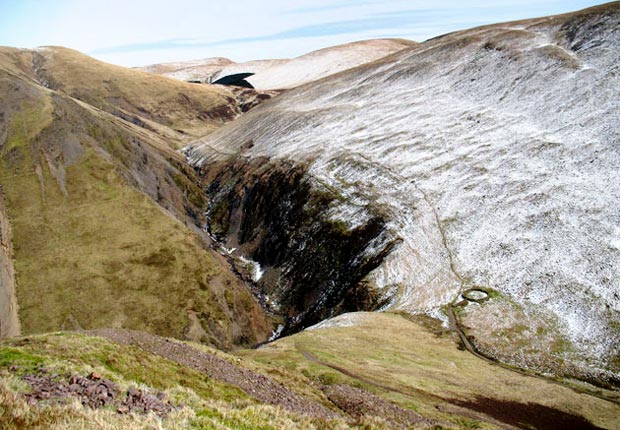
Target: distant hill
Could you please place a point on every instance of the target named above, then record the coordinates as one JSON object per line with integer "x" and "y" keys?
{"x": 284, "y": 74}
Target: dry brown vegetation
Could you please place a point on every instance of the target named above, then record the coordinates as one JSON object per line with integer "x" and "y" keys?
{"x": 103, "y": 217}
{"x": 177, "y": 109}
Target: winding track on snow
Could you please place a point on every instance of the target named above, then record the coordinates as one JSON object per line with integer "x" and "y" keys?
{"x": 457, "y": 328}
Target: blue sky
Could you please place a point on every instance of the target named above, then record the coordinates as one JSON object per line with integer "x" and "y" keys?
{"x": 140, "y": 32}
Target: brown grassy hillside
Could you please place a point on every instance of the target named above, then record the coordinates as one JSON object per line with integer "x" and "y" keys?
{"x": 102, "y": 212}
{"x": 346, "y": 375}
{"x": 184, "y": 110}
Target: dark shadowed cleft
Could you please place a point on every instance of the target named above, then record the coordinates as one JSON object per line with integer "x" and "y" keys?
{"x": 527, "y": 415}
{"x": 314, "y": 266}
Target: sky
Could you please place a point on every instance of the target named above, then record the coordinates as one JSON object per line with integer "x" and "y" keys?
{"x": 141, "y": 32}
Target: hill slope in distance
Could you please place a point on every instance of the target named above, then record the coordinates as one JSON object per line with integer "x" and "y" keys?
{"x": 289, "y": 73}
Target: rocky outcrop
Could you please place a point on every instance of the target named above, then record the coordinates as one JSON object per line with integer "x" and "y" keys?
{"x": 248, "y": 98}
{"x": 312, "y": 265}
{"x": 9, "y": 322}
{"x": 93, "y": 391}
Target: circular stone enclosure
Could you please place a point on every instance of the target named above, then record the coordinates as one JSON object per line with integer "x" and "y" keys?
{"x": 476, "y": 294}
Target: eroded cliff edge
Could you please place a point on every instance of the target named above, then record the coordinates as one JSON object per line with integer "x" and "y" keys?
{"x": 9, "y": 322}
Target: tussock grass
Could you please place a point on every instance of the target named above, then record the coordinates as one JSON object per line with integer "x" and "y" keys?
{"x": 17, "y": 414}
{"x": 405, "y": 362}
{"x": 203, "y": 403}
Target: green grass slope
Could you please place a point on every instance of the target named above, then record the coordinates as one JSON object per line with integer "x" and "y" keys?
{"x": 417, "y": 366}
{"x": 414, "y": 379}
{"x": 101, "y": 211}
{"x": 203, "y": 402}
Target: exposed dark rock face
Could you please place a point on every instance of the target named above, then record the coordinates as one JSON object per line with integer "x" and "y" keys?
{"x": 237, "y": 80}
{"x": 248, "y": 99}
{"x": 276, "y": 214}
{"x": 9, "y": 321}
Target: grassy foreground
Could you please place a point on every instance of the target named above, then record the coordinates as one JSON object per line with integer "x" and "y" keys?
{"x": 202, "y": 402}
{"x": 417, "y": 366}
{"x": 412, "y": 371}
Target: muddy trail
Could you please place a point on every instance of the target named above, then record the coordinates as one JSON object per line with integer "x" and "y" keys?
{"x": 313, "y": 358}
{"x": 252, "y": 383}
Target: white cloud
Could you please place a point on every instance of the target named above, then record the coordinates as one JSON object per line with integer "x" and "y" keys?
{"x": 242, "y": 29}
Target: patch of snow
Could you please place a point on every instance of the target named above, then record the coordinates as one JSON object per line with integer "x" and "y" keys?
{"x": 438, "y": 314}
{"x": 276, "y": 333}
{"x": 256, "y": 272}
{"x": 344, "y": 320}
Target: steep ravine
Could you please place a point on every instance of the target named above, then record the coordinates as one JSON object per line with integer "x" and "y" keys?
{"x": 308, "y": 266}
{"x": 494, "y": 154}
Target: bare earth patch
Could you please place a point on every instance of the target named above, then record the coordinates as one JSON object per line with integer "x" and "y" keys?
{"x": 254, "y": 384}
{"x": 358, "y": 403}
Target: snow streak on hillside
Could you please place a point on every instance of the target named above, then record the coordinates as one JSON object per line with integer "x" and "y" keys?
{"x": 494, "y": 151}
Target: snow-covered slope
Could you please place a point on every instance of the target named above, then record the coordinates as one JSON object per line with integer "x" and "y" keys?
{"x": 324, "y": 62}
{"x": 193, "y": 70}
{"x": 495, "y": 153}
{"x": 209, "y": 69}
{"x": 284, "y": 74}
